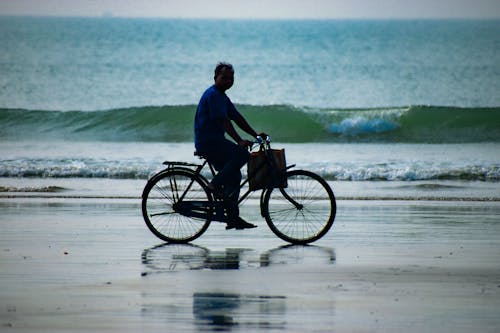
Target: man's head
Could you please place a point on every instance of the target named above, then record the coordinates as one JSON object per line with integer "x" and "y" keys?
{"x": 224, "y": 76}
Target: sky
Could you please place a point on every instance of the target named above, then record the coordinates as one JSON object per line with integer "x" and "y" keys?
{"x": 257, "y": 9}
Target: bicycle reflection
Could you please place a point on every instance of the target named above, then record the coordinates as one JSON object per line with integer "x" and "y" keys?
{"x": 166, "y": 258}
{"x": 220, "y": 311}
{"x": 217, "y": 310}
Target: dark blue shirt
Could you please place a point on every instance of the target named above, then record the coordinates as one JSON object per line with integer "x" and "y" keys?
{"x": 213, "y": 107}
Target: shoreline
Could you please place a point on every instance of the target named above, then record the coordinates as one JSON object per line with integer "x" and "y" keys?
{"x": 128, "y": 189}
{"x": 438, "y": 199}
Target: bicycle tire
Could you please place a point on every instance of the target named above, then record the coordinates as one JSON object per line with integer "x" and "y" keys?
{"x": 304, "y": 211}
{"x": 160, "y": 195}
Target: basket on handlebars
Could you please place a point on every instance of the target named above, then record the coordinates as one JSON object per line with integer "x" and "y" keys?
{"x": 267, "y": 173}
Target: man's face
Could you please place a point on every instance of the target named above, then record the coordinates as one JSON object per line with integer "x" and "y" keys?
{"x": 225, "y": 79}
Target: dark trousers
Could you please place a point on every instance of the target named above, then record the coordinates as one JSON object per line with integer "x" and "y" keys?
{"x": 228, "y": 158}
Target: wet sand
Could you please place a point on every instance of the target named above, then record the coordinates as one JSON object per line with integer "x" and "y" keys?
{"x": 79, "y": 265}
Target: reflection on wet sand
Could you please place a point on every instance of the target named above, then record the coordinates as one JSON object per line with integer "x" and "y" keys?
{"x": 181, "y": 257}
{"x": 222, "y": 311}
{"x": 217, "y": 306}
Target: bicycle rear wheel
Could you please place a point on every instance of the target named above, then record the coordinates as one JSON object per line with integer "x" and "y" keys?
{"x": 304, "y": 211}
{"x": 163, "y": 210}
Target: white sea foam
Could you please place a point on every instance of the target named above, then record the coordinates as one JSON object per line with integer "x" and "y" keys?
{"x": 351, "y": 162}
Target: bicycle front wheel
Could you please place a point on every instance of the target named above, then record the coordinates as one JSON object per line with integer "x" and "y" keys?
{"x": 304, "y": 211}
{"x": 168, "y": 206}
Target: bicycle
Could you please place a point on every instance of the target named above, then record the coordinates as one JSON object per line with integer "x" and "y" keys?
{"x": 178, "y": 207}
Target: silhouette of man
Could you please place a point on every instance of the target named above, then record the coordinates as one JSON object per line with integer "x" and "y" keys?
{"x": 214, "y": 118}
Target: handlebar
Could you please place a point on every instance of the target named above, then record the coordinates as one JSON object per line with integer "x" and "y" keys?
{"x": 264, "y": 143}
{"x": 260, "y": 140}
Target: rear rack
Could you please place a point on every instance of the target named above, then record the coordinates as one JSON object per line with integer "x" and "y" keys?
{"x": 174, "y": 163}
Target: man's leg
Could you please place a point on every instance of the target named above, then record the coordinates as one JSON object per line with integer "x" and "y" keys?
{"x": 231, "y": 158}
{"x": 228, "y": 158}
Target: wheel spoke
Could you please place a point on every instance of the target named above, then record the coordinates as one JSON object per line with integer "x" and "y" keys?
{"x": 163, "y": 213}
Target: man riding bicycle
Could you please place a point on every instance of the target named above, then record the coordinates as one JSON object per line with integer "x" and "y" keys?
{"x": 214, "y": 117}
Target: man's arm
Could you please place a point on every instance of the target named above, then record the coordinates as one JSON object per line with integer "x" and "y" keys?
{"x": 243, "y": 124}
{"x": 229, "y": 128}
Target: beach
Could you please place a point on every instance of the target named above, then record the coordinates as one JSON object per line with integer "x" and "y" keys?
{"x": 90, "y": 264}
{"x": 400, "y": 117}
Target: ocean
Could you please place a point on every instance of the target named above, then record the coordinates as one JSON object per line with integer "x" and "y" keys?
{"x": 374, "y": 106}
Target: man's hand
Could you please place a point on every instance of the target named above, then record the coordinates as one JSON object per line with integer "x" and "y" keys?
{"x": 263, "y": 135}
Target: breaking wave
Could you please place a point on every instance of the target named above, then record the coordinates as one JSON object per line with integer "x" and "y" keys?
{"x": 419, "y": 124}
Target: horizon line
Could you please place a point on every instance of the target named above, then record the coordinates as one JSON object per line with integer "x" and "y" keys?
{"x": 347, "y": 18}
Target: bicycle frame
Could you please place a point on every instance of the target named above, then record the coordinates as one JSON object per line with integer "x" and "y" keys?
{"x": 200, "y": 209}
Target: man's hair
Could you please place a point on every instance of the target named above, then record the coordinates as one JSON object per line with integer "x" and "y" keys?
{"x": 221, "y": 66}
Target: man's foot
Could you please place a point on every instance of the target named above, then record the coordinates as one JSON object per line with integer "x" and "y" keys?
{"x": 240, "y": 224}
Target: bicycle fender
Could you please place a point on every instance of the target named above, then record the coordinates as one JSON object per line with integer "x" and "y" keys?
{"x": 172, "y": 168}
{"x": 262, "y": 202}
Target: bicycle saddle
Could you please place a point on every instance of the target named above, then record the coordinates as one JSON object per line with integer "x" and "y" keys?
{"x": 199, "y": 154}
